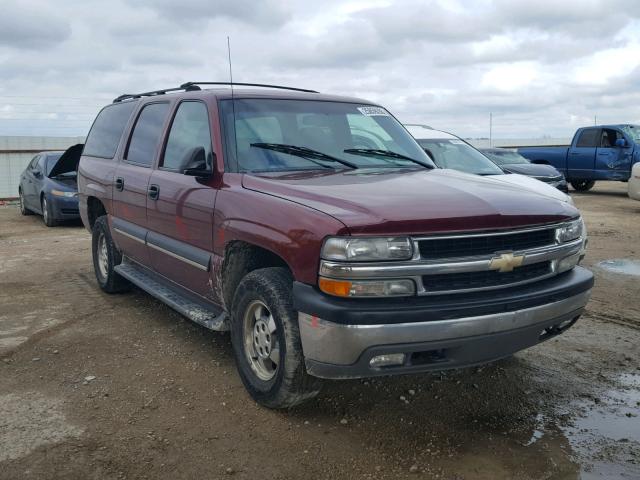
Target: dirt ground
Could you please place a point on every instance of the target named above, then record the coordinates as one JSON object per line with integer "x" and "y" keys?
{"x": 94, "y": 386}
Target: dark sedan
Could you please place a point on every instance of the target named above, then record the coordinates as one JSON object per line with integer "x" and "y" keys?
{"x": 48, "y": 187}
{"x": 512, "y": 162}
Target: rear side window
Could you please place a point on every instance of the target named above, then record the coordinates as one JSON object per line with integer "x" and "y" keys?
{"x": 190, "y": 129}
{"x": 146, "y": 134}
{"x": 107, "y": 129}
{"x": 589, "y": 138}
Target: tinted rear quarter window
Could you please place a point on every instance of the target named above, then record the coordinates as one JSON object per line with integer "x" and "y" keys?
{"x": 107, "y": 129}
{"x": 146, "y": 134}
{"x": 589, "y": 138}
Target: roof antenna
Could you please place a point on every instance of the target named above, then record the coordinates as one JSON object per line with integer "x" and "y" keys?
{"x": 233, "y": 103}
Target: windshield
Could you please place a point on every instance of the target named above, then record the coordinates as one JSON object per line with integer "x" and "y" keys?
{"x": 458, "y": 155}
{"x": 52, "y": 159}
{"x": 505, "y": 157}
{"x": 632, "y": 131}
{"x": 283, "y": 135}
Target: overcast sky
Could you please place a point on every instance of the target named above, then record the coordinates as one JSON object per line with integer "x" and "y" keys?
{"x": 542, "y": 67}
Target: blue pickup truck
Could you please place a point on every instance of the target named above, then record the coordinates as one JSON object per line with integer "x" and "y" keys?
{"x": 604, "y": 152}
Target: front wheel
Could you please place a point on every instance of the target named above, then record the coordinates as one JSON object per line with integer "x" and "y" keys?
{"x": 266, "y": 340}
{"x": 583, "y": 185}
{"x": 47, "y": 213}
{"x": 105, "y": 257}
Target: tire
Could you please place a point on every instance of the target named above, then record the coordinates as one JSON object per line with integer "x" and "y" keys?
{"x": 268, "y": 290}
{"x": 23, "y": 210}
{"x": 47, "y": 214}
{"x": 583, "y": 185}
{"x": 105, "y": 257}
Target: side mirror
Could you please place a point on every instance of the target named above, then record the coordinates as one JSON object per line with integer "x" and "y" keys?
{"x": 194, "y": 163}
{"x": 621, "y": 142}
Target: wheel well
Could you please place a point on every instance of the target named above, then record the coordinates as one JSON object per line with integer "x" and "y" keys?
{"x": 241, "y": 258}
{"x": 95, "y": 209}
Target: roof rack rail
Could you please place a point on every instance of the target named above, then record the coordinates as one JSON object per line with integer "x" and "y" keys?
{"x": 193, "y": 86}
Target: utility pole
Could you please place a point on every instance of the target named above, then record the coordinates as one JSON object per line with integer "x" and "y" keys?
{"x": 595, "y": 119}
{"x": 490, "y": 129}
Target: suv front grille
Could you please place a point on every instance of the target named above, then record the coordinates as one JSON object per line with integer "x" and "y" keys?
{"x": 485, "y": 279}
{"x": 438, "y": 248}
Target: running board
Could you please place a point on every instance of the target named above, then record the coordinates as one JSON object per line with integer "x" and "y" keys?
{"x": 174, "y": 296}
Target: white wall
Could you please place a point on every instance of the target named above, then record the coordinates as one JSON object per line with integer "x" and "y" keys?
{"x": 17, "y": 152}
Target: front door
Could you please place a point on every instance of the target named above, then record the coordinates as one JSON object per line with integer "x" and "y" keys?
{"x": 131, "y": 183}
{"x": 180, "y": 213}
{"x": 30, "y": 183}
{"x": 613, "y": 162}
{"x": 581, "y": 160}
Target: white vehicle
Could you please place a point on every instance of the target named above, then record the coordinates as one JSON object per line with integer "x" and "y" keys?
{"x": 634, "y": 182}
{"x": 451, "y": 152}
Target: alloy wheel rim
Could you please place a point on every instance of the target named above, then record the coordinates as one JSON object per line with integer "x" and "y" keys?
{"x": 21, "y": 200}
{"x": 45, "y": 213}
{"x": 261, "y": 343}
{"x": 103, "y": 256}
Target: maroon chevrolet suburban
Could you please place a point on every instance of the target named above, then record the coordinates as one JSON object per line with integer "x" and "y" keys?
{"x": 317, "y": 231}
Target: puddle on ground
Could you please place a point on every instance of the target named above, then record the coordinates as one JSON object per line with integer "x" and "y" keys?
{"x": 604, "y": 433}
{"x": 621, "y": 266}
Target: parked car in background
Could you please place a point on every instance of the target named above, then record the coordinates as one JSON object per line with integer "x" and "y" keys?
{"x": 317, "y": 231}
{"x": 512, "y": 162}
{"x": 634, "y": 182}
{"x": 448, "y": 151}
{"x": 48, "y": 186}
{"x": 605, "y": 152}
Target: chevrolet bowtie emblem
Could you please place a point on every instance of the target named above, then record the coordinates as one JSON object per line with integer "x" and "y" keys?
{"x": 506, "y": 262}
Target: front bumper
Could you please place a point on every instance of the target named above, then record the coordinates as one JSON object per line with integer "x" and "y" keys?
{"x": 64, "y": 208}
{"x": 340, "y": 344}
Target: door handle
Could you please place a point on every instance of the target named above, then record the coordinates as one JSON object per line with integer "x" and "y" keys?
{"x": 153, "y": 192}
{"x": 119, "y": 184}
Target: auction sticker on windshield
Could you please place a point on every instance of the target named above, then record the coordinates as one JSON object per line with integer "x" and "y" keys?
{"x": 373, "y": 111}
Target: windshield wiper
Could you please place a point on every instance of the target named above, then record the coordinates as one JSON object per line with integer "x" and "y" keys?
{"x": 303, "y": 152}
{"x": 385, "y": 153}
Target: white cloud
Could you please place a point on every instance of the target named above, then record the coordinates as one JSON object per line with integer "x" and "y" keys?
{"x": 541, "y": 66}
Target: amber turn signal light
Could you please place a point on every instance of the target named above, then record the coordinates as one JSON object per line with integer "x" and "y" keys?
{"x": 339, "y": 288}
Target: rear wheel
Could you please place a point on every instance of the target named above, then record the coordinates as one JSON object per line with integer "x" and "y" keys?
{"x": 583, "y": 185}
{"x": 47, "y": 214}
{"x": 23, "y": 209}
{"x": 105, "y": 257}
{"x": 266, "y": 340}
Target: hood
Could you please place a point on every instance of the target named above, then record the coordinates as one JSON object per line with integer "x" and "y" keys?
{"x": 531, "y": 169}
{"x": 68, "y": 161}
{"x": 533, "y": 185}
{"x": 392, "y": 202}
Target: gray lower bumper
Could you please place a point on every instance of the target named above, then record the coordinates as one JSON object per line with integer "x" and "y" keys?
{"x": 335, "y": 350}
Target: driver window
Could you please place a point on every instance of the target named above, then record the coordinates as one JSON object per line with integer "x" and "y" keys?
{"x": 34, "y": 162}
{"x": 40, "y": 165}
{"x": 609, "y": 138}
{"x": 190, "y": 129}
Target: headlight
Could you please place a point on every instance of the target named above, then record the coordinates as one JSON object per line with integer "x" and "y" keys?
{"x": 367, "y": 249}
{"x": 571, "y": 231}
{"x": 60, "y": 193}
{"x": 367, "y": 288}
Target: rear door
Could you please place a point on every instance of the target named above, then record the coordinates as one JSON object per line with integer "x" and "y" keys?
{"x": 180, "y": 212}
{"x": 613, "y": 162}
{"x": 130, "y": 188}
{"x": 581, "y": 161}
